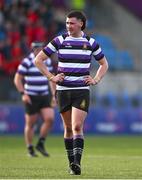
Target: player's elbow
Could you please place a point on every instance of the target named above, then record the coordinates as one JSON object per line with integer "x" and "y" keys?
{"x": 106, "y": 65}
{"x": 37, "y": 62}
{"x": 14, "y": 80}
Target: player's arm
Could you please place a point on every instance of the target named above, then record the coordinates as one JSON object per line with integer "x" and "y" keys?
{"x": 18, "y": 81}
{"x": 103, "y": 67}
{"x": 44, "y": 70}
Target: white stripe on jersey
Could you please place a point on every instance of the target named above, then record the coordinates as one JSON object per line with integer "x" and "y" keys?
{"x": 61, "y": 39}
{"x": 36, "y": 88}
{"x": 35, "y": 78}
{"x": 34, "y": 93}
{"x": 52, "y": 47}
{"x": 91, "y": 41}
{"x": 73, "y": 65}
{"x": 97, "y": 52}
{"x": 68, "y": 88}
{"x": 26, "y": 61}
{"x": 35, "y": 69}
{"x": 75, "y": 51}
{"x": 74, "y": 78}
{"x": 22, "y": 68}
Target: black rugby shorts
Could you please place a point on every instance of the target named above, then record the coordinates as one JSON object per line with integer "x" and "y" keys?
{"x": 38, "y": 102}
{"x": 78, "y": 98}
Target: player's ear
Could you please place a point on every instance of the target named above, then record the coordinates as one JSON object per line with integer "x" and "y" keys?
{"x": 81, "y": 24}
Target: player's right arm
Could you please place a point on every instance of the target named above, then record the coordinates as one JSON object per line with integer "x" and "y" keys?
{"x": 18, "y": 81}
{"x": 44, "y": 70}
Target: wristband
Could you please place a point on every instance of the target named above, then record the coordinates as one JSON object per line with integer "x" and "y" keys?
{"x": 51, "y": 78}
{"x": 97, "y": 80}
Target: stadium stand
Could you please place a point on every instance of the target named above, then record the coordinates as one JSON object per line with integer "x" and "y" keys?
{"x": 118, "y": 59}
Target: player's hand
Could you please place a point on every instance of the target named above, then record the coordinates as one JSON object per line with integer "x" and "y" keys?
{"x": 58, "y": 78}
{"x": 89, "y": 80}
{"x": 26, "y": 99}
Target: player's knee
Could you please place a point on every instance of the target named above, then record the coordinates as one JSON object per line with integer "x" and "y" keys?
{"x": 77, "y": 128}
{"x": 28, "y": 128}
{"x": 29, "y": 125}
{"x": 49, "y": 121}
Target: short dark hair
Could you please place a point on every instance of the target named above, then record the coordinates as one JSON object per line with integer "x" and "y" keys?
{"x": 78, "y": 15}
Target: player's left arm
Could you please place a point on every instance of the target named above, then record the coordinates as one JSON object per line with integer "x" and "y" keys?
{"x": 103, "y": 67}
{"x": 101, "y": 70}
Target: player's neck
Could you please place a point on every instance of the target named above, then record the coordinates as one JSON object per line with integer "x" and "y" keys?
{"x": 77, "y": 35}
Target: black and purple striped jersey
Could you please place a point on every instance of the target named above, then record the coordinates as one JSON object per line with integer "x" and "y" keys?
{"x": 74, "y": 58}
{"x": 34, "y": 82}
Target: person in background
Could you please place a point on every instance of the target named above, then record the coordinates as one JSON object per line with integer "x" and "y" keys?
{"x": 38, "y": 97}
{"x": 73, "y": 79}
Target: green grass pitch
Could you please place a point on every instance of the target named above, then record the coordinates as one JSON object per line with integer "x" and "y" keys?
{"x": 104, "y": 157}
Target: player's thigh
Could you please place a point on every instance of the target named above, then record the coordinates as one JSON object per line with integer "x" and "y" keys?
{"x": 30, "y": 120}
{"x": 78, "y": 117}
{"x": 66, "y": 118}
{"x": 47, "y": 113}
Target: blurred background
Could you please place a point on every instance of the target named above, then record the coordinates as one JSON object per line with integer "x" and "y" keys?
{"x": 116, "y": 103}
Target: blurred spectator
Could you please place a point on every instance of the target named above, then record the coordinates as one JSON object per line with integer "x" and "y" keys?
{"x": 22, "y": 22}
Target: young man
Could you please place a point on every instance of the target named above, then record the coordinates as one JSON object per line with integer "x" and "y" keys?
{"x": 34, "y": 89}
{"x": 74, "y": 50}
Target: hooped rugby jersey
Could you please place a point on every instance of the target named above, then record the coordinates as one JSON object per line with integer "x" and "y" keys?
{"x": 34, "y": 82}
{"x": 74, "y": 58}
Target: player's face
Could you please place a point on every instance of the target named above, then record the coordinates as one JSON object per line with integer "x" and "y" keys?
{"x": 73, "y": 26}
